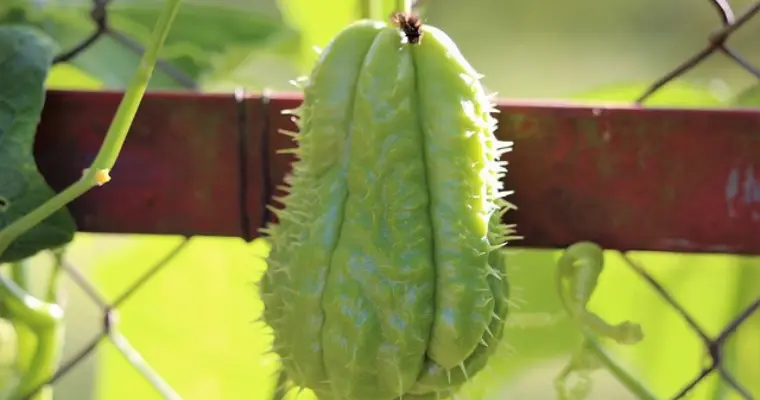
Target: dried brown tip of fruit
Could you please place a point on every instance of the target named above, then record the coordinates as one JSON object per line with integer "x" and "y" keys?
{"x": 410, "y": 24}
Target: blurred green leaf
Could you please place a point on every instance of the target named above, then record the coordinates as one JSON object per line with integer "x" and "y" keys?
{"x": 674, "y": 94}
{"x": 201, "y": 34}
{"x": 13, "y": 11}
{"x": 268, "y": 66}
{"x": 109, "y": 61}
{"x": 65, "y": 76}
{"x": 317, "y": 23}
{"x": 750, "y": 97}
{"x": 25, "y": 57}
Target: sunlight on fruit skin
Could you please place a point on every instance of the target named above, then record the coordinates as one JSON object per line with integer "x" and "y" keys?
{"x": 384, "y": 278}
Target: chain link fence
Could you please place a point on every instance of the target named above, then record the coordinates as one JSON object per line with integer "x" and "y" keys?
{"x": 717, "y": 42}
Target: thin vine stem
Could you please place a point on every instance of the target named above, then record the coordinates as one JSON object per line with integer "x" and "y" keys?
{"x": 44, "y": 321}
{"x": 377, "y": 9}
{"x": 404, "y": 5}
{"x": 365, "y": 8}
{"x": 98, "y": 173}
{"x": 55, "y": 274}
{"x": 20, "y": 273}
{"x": 50, "y": 341}
{"x": 622, "y": 376}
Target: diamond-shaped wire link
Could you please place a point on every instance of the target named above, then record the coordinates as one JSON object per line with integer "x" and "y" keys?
{"x": 713, "y": 346}
{"x": 716, "y": 42}
{"x": 109, "y": 326}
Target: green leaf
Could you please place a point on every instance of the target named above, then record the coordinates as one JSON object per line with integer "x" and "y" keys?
{"x": 25, "y": 60}
{"x": 190, "y": 50}
{"x": 317, "y": 23}
{"x": 65, "y": 76}
{"x": 272, "y": 66}
{"x": 111, "y": 62}
{"x": 674, "y": 94}
{"x": 750, "y": 97}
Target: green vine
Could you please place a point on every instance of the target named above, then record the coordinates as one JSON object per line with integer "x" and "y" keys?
{"x": 36, "y": 334}
{"x": 98, "y": 173}
{"x": 404, "y": 5}
{"x": 39, "y": 327}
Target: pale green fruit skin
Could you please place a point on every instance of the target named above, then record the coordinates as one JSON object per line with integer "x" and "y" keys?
{"x": 383, "y": 278}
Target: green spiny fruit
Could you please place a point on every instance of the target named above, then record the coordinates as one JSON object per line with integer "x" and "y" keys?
{"x": 384, "y": 280}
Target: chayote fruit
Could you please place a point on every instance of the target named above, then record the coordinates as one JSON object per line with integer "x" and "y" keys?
{"x": 384, "y": 280}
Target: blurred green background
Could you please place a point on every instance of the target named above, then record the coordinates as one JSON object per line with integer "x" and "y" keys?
{"x": 192, "y": 322}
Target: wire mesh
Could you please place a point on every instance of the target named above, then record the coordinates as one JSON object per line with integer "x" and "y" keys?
{"x": 717, "y": 42}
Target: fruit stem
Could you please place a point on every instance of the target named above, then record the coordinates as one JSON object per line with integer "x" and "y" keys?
{"x": 97, "y": 174}
{"x": 404, "y": 6}
{"x": 376, "y": 9}
{"x": 365, "y": 9}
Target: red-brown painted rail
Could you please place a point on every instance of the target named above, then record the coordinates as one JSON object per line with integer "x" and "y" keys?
{"x": 628, "y": 178}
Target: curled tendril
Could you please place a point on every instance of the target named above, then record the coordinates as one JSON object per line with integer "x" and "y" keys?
{"x": 580, "y": 266}
{"x": 44, "y": 320}
{"x": 579, "y": 270}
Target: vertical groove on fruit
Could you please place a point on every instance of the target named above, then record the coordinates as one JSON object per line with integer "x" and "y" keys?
{"x": 307, "y": 232}
{"x": 380, "y": 289}
{"x": 457, "y": 165}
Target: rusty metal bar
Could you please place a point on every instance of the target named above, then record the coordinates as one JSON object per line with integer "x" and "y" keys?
{"x": 627, "y": 177}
